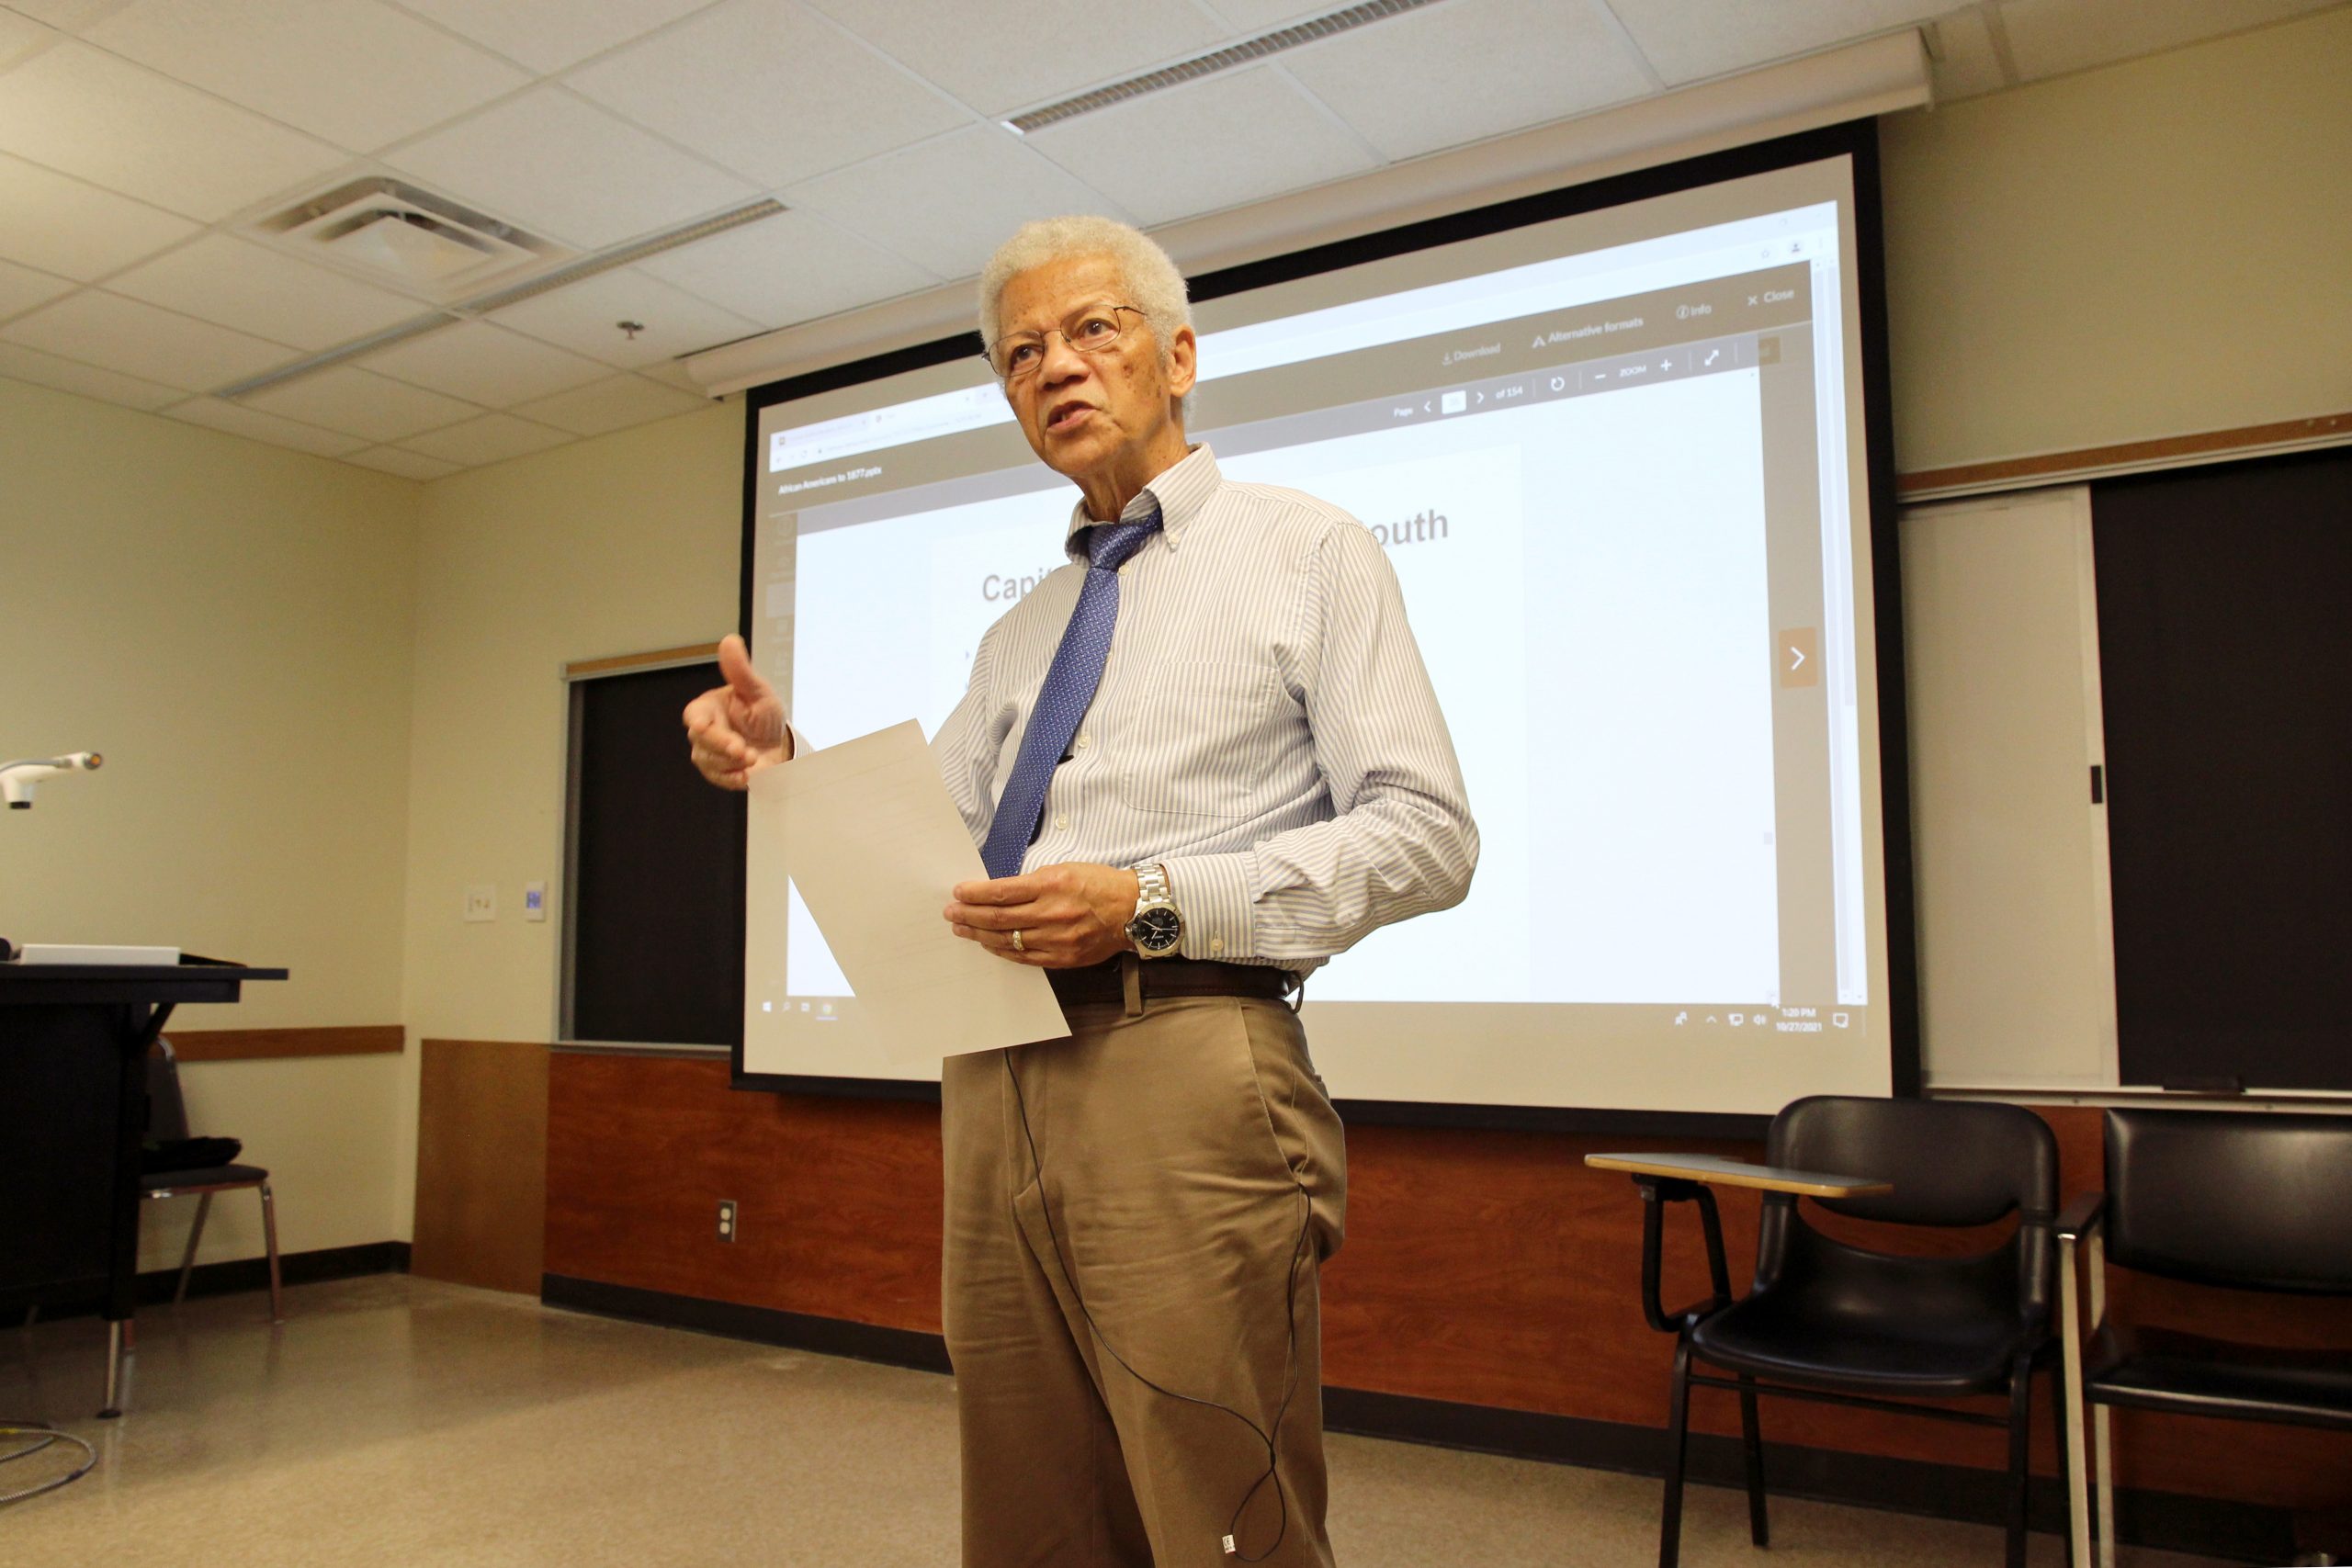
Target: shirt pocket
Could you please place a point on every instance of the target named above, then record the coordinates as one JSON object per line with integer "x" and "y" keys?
{"x": 1198, "y": 740}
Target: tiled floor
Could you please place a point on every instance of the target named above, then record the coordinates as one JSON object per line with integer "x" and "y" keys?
{"x": 400, "y": 1421}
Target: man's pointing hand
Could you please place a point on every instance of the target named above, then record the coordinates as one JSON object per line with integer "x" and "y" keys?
{"x": 736, "y": 730}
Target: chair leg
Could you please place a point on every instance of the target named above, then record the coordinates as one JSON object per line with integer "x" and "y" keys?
{"x": 112, "y": 1409}
{"x": 2067, "y": 1481}
{"x": 195, "y": 1235}
{"x": 1751, "y": 1442}
{"x": 2103, "y": 1443}
{"x": 1678, "y": 1434}
{"x": 269, "y": 1235}
{"x": 2070, "y": 1411}
{"x": 2020, "y": 1427}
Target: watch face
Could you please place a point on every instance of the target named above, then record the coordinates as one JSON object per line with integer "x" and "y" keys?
{"x": 1157, "y": 931}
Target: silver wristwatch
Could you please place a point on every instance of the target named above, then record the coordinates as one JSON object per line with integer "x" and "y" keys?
{"x": 1158, "y": 929}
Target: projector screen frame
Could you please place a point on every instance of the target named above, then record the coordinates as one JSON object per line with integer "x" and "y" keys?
{"x": 1857, "y": 139}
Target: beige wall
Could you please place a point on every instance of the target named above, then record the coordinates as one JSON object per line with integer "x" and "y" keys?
{"x": 329, "y": 1130}
{"x": 230, "y": 624}
{"x": 2155, "y": 248}
{"x": 626, "y": 542}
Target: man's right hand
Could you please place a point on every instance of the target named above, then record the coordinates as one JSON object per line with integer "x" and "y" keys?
{"x": 736, "y": 730}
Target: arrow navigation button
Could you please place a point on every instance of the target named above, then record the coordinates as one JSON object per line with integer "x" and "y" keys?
{"x": 1798, "y": 655}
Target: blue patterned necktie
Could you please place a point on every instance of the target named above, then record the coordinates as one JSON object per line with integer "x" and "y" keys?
{"x": 1068, "y": 690}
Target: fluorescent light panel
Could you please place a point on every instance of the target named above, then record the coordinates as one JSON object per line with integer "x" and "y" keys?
{"x": 1330, "y": 25}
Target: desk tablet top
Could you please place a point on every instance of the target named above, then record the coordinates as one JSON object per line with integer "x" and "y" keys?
{"x": 36, "y": 984}
{"x": 136, "y": 972}
{"x": 1740, "y": 1173}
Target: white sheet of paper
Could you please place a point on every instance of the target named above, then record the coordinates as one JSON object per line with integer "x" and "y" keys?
{"x": 875, "y": 844}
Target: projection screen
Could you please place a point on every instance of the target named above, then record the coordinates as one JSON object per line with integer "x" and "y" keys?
{"x": 1619, "y": 461}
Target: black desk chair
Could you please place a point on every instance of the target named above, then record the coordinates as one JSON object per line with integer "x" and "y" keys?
{"x": 168, "y": 1123}
{"x": 1845, "y": 1324}
{"x": 2243, "y": 1201}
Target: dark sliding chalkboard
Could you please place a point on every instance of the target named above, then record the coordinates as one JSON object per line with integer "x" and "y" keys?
{"x": 653, "y": 909}
{"x": 2225, "y": 659}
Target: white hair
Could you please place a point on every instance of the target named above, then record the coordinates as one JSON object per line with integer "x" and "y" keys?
{"x": 1151, "y": 280}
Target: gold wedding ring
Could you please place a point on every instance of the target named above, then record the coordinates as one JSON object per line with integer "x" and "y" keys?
{"x": 1017, "y": 946}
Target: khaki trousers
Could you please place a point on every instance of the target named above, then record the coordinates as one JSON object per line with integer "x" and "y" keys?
{"x": 1187, "y": 1179}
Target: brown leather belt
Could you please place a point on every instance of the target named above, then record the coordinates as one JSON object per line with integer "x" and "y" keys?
{"x": 1106, "y": 982}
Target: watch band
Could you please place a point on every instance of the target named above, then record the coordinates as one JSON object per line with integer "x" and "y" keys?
{"x": 1153, "y": 893}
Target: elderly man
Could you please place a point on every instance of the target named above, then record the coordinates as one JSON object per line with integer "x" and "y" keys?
{"x": 1200, "y": 759}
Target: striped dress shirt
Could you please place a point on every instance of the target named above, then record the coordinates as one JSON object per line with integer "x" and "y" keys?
{"x": 1265, "y": 727}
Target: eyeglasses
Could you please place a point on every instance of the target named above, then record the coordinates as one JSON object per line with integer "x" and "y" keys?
{"x": 1095, "y": 329}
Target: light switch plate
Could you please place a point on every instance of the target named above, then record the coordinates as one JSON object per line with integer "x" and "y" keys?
{"x": 481, "y": 901}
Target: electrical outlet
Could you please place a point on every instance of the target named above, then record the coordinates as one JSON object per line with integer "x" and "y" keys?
{"x": 727, "y": 1219}
{"x": 481, "y": 901}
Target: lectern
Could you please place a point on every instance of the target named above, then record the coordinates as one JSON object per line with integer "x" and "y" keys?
{"x": 74, "y": 1043}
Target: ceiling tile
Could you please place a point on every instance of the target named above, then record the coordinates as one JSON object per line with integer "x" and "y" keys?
{"x": 67, "y": 13}
{"x": 2048, "y": 36}
{"x": 947, "y": 204}
{"x": 21, "y": 288}
{"x": 583, "y": 317}
{"x": 793, "y": 267}
{"x": 407, "y": 464}
{"x": 1686, "y": 42}
{"x": 118, "y": 125}
{"x": 714, "y": 84}
{"x": 355, "y": 72}
{"x": 354, "y": 401}
{"x": 239, "y": 420}
{"x": 549, "y": 161}
{"x": 1971, "y": 65}
{"x": 1254, "y": 17}
{"x": 991, "y": 59}
{"x": 1468, "y": 69}
{"x": 485, "y": 364}
{"x": 673, "y": 373}
{"x": 72, "y": 376}
{"x": 1204, "y": 146}
{"x": 136, "y": 339}
{"x": 63, "y": 225}
{"x": 254, "y": 288}
{"x": 492, "y": 438}
{"x": 612, "y": 404}
{"x": 19, "y": 35}
{"x": 548, "y": 34}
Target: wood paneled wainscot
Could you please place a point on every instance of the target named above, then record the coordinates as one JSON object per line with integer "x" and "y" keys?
{"x": 1481, "y": 1269}
{"x": 481, "y": 1163}
{"x": 277, "y": 1045}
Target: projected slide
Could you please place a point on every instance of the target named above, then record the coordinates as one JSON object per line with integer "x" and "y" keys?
{"x": 1615, "y": 480}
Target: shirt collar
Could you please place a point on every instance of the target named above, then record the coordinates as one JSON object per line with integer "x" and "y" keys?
{"x": 1183, "y": 491}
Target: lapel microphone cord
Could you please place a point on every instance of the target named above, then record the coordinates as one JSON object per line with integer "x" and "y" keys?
{"x": 1270, "y": 1436}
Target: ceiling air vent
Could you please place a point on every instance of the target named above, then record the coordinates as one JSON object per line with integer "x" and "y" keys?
{"x": 1313, "y": 29}
{"x": 390, "y": 231}
{"x": 416, "y": 239}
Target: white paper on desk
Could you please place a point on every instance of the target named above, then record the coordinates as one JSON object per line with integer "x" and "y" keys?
{"x": 875, "y": 845}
